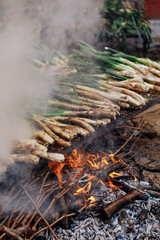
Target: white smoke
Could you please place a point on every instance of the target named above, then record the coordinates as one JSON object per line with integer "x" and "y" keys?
{"x": 58, "y": 24}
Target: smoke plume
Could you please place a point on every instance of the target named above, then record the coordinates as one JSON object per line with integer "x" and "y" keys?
{"x": 24, "y": 24}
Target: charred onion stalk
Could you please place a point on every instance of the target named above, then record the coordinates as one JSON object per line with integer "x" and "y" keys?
{"x": 25, "y": 158}
{"x": 93, "y": 87}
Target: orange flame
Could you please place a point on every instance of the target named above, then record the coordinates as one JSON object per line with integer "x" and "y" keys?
{"x": 85, "y": 190}
{"x": 80, "y": 164}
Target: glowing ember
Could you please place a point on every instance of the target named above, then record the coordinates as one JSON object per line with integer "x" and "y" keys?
{"x": 114, "y": 174}
{"x": 84, "y": 190}
{"x": 112, "y": 157}
{"x": 92, "y": 200}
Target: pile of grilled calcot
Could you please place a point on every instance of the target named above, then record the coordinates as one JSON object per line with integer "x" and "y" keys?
{"x": 93, "y": 87}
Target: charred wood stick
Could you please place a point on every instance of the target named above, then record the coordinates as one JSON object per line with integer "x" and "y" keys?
{"x": 112, "y": 168}
{"x": 59, "y": 195}
{"x": 149, "y": 169}
{"x": 44, "y": 219}
{"x": 58, "y": 220}
{"x": 64, "y": 211}
{"x": 12, "y": 233}
{"x": 112, "y": 208}
{"x": 123, "y": 186}
{"x": 133, "y": 134}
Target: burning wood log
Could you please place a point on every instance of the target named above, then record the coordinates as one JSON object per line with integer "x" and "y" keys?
{"x": 54, "y": 157}
{"x": 112, "y": 208}
{"x": 112, "y": 168}
{"x": 28, "y": 146}
{"x": 26, "y": 158}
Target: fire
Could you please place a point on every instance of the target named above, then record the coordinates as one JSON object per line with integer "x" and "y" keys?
{"x": 84, "y": 190}
{"x": 112, "y": 157}
{"x": 114, "y": 174}
{"x": 92, "y": 199}
{"x": 82, "y": 168}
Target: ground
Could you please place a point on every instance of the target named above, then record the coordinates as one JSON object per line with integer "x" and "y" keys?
{"x": 149, "y": 144}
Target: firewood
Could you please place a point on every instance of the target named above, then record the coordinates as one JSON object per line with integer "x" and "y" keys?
{"x": 64, "y": 211}
{"x": 14, "y": 233}
{"x": 112, "y": 208}
{"x": 103, "y": 175}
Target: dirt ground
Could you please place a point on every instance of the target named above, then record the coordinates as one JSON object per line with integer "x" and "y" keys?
{"x": 148, "y": 146}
